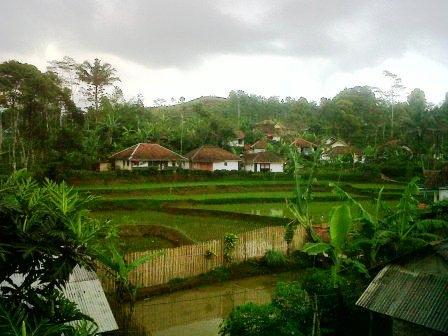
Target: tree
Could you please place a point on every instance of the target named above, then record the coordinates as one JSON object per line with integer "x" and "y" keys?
{"x": 97, "y": 76}
{"x": 391, "y": 95}
{"x": 46, "y": 232}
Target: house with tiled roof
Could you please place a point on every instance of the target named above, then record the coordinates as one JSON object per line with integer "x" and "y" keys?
{"x": 238, "y": 140}
{"x": 212, "y": 158}
{"x": 258, "y": 146}
{"x": 263, "y": 162}
{"x": 303, "y": 146}
{"x": 147, "y": 155}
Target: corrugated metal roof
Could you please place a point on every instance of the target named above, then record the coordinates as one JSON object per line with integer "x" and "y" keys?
{"x": 416, "y": 297}
{"x": 84, "y": 288}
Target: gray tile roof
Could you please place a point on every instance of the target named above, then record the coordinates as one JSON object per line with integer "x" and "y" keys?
{"x": 417, "y": 297}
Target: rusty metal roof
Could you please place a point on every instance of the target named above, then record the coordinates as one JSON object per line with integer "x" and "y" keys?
{"x": 417, "y": 297}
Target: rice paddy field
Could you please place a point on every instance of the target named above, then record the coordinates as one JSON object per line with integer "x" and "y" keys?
{"x": 207, "y": 210}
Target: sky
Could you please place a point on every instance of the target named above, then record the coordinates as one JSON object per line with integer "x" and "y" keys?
{"x": 192, "y": 48}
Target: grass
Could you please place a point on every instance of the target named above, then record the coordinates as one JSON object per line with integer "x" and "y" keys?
{"x": 197, "y": 228}
{"x": 168, "y": 185}
{"x": 141, "y": 204}
{"x": 134, "y": 244}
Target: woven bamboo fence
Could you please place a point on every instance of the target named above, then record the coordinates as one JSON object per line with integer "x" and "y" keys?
{"x": 190, "y": 260}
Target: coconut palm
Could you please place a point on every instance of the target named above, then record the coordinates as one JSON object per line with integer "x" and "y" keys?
{"x": 97, "y": 76}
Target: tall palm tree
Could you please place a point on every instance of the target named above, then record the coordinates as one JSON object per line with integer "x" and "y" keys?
{"x": 97, "y": 76}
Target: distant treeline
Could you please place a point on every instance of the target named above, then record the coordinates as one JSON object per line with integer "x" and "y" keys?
{"x": 74, "y": 115}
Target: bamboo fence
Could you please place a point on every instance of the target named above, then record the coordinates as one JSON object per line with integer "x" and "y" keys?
{"x": 190, "y": 260}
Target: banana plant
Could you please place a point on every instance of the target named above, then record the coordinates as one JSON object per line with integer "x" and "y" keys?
{"x": 303, "y": 196}
{"x": 120, "y": 269}
{"x": 336, "y": 249}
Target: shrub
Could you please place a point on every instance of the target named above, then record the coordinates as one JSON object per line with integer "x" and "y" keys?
{"x": 301, "y": 259}
{"x": 219, "y": 274}
{"x": 251, "y": 320}
{"x": 274, "y": 259}
{"x": 294, "y": 303}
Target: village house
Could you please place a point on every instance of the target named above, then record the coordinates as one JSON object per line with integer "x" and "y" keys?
{"x": 258, "y": 147}
{"x": 271, "y": 130}
{"x": 411, "y": 293}
{"x": 238, "y": 141}
{"x": 263, "y": 162}
{"x": 212, "y": 158}
{"x": 147, "y": 155}
{"x": 304, "y": 147}
{"x": 435, "y": 187}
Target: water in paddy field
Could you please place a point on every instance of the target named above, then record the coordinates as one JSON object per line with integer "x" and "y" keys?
{"x": 199, "y": 311}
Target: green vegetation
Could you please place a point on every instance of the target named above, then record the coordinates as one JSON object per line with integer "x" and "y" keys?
{"x": 359, "y": 242}
{"x": 197, "y": 228}
{"x": 46, "y": 233}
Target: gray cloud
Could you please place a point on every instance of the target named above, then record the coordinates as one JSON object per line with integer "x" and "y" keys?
{"x": 179, "y": 33}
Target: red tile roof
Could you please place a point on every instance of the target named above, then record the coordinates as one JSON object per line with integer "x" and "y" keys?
{"x": 263, "y": 157}
{"x": 147, "y": 152}
{"x": 260, "y": 144}
{"x": 302, "y": 143}
{"x": 211, "y": 154}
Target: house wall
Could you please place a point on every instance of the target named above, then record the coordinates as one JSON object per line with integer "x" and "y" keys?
{"x": 201, "y": 166}
{"x": 255, "y": 167}
{"x": 237, "y": 143}
{"x": 403, "y": 328}
{"x": 443, "y": 194}
{"x": 225, "y": 165}
{"x": 104, "y": 166}
{"x": 123, "y": 165}
{"x": 277, "y": 167}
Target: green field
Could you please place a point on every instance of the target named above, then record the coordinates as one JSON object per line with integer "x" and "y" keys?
{"x": 197, "y": 228}
{"x": 206, "y": 210}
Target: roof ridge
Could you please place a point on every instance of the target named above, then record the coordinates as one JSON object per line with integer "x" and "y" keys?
{"x": 196, "y": 153}
{"x": 183, "y": 157}
{"x": 132, "y": 154}
{"x": 122, "y": 151}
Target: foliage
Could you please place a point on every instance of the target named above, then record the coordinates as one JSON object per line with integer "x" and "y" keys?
{"x": 120, "y": 270}
{"x": 46, "y": 232}
{"x": 230, "y": 240}
{"x": 340, "y": 226}
{"x": 288, "y": 314}
{"x": 251, "y": 319}
{"x": 275, "y": 259}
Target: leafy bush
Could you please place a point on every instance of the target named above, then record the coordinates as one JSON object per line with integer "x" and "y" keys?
{"x": 219, "y": 274}
{"x": 294, "y": 303}
{"x": 288, "y": 314}
{"x": 274, "y": 259}
{"x": 252, "y": 320}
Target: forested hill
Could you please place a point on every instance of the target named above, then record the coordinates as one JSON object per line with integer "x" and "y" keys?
{"x": 44, "y": 127}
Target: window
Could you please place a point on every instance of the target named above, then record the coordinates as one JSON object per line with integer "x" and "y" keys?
{"x": 225, "y": 164}
{"x": 265, "y": 167}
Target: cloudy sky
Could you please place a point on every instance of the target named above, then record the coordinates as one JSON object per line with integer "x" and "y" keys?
{"x": 172, "y": 48}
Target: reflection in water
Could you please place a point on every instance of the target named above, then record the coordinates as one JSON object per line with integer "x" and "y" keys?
{"x": 273, "y": 212}
{"x": 199, "y": 311}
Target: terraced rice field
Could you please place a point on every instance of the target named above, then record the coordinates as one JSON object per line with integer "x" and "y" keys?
{"x": 208, "y": 210}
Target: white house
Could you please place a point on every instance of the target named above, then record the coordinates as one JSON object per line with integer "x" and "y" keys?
{"x": 212, "y": 158}
{"x": 238, "y": 141}
{"x": 258, "y": 147}
{"x": 147, "y": 155}
{"x": 303, "y": 146}
{"x": 263, "y": 162}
